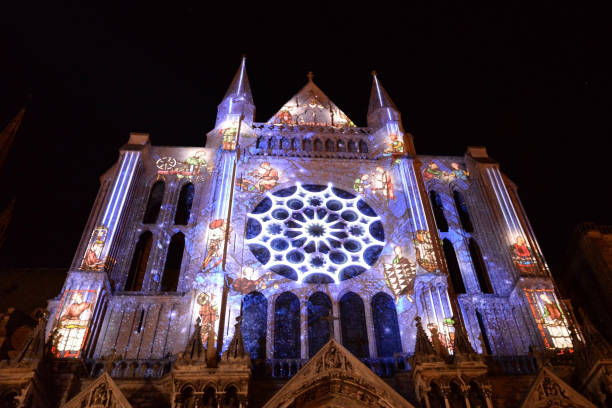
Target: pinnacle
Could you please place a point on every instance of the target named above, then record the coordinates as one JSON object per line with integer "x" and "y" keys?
{"x": 240, "y": 87}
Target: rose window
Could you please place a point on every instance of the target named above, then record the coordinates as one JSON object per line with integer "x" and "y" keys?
{"x": 314, "y": 233}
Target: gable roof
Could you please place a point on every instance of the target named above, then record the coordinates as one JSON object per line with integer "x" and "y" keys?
{"x": 548, "y": 390}
{"x": 334, "y": 363}
{"x": 311, "y": 107}
{"x": 103, "y": 392}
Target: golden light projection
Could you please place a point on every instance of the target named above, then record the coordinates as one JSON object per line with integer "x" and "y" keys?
{"x": 72, "y": 322}
{"x": 93, "y": 260}
{"x": 549, "y": 317}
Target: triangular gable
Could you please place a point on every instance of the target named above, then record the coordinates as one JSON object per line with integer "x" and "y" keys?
{"x": 103, "y": 392}
{"x": 548, "y": 390}
{"x": 334, "y": 363}
{"x": 311, "y": 107}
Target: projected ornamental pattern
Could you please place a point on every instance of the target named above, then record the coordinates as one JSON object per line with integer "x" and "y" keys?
{"x": 314, "y": 233}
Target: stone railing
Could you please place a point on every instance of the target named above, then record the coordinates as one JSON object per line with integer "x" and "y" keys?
{"x": 284, "y": 367}
{"x": 387, "y": 366}
{"x": 124, "y": 368}
{"x": 383, "y": 366}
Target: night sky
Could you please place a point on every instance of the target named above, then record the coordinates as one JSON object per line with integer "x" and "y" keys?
{"x": 533, "y": 85}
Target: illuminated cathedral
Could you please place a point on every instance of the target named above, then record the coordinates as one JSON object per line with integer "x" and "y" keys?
{"x": 307, "y": 262}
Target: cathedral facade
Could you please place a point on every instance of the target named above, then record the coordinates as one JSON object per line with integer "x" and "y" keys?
{"x": 306, "y": 262}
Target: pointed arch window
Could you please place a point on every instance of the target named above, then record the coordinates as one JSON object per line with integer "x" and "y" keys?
{"x": 319, "y": 317}
{"x": 453, "y": 266}
{"x": 352, "y": 319}
{"x": 306, "y": 145}
{"x": 386, "y": 327}
{"x": 172, "y": 269}
{"x": 483, "y": 332}
{"x": 154, "y": 204}
{"x": 294, "y": 144}
{"x": 287, "y": 326}
{"x": 330, "y": 146}
{"x": 464, "y": 215}
{"x": 352, "y": 146}
{"x": 480, "y": 267}
{"x": 318, "y": 145}
{"x": 436, "y": 204}
{"x": 363, "y": 147}
{"x": 254, "y": 324}
{"x": 138, "y": 267}
{"x": 183, "y": 207}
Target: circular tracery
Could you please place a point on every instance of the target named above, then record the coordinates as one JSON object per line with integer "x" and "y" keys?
{"x": 314, "y": 233}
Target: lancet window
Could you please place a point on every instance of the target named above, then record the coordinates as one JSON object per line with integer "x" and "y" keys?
{"x": 287, "y": 326}
{"x": 462, "y": 210}
{"x": 319, "y": 321}
{"x": 254, "y": 324}
{"x": 138, "y": 267}
{"x": 183, "y": 207}
{"x": 174, "y": 258}
{"x": 480, "y": 267}
{"x": 436, "y": 204}
{"x": 453, "y": 266}
{"x": 352, "y": 319}
{"x": 386, "y": 327}
{"x": 154, "y": 204}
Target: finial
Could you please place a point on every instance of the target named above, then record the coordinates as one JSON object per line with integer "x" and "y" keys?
{"x": 373, "y": 72}
{"x": 310, "y": 75}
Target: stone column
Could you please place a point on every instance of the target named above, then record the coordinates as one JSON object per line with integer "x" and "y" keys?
{"x": 270, "y": 334}
{"x": 337, "y": 326}
{"x": 488, "y": 394}
{"x": 304, "y": 328}
{"x": 445, "y": 393}
{"x": 465, "y": 389}
{"x": 426, "y": 397}
{"x": 370, "y": 328}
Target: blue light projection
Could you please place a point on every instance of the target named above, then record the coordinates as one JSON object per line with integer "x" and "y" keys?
{"x": 99, "y": 245}
{"x": 314, "y": 233}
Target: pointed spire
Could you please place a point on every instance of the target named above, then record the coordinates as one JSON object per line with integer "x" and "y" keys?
{"x": 240, "y": 89}
{"x": 194, "y": 352}
{"x": 595, "y": 342}
{"x": 238, "y": 100}
{"x": 381, "y": 108}
{"x": 236, "y": 350}
{"x": 462, "y": 349}
{"x": 438, "y": 347}
{"x": 33, "y": 349}
{"x": 8, "y": 135}
{"x": 423, "y": 349}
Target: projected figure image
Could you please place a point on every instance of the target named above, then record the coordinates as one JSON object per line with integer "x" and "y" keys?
{"x": 247, "y": 282}
{"x": 382, "y": 186}
{"x": 73, "y": 324}
{"x": 459, "y": 173}
{"x": 208, "y": 312}
{"x": 216, "y": 239}
{"x": 264, "y": 178}
{"x": 522, "y": 257}
{"x": 550, "y": 318}
{"x": 93, "y": 256}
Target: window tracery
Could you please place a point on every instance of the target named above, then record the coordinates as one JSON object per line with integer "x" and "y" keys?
{"x": 314, "y": 233}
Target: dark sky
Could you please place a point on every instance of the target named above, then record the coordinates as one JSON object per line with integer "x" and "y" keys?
{"x": 533, "y": 85}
